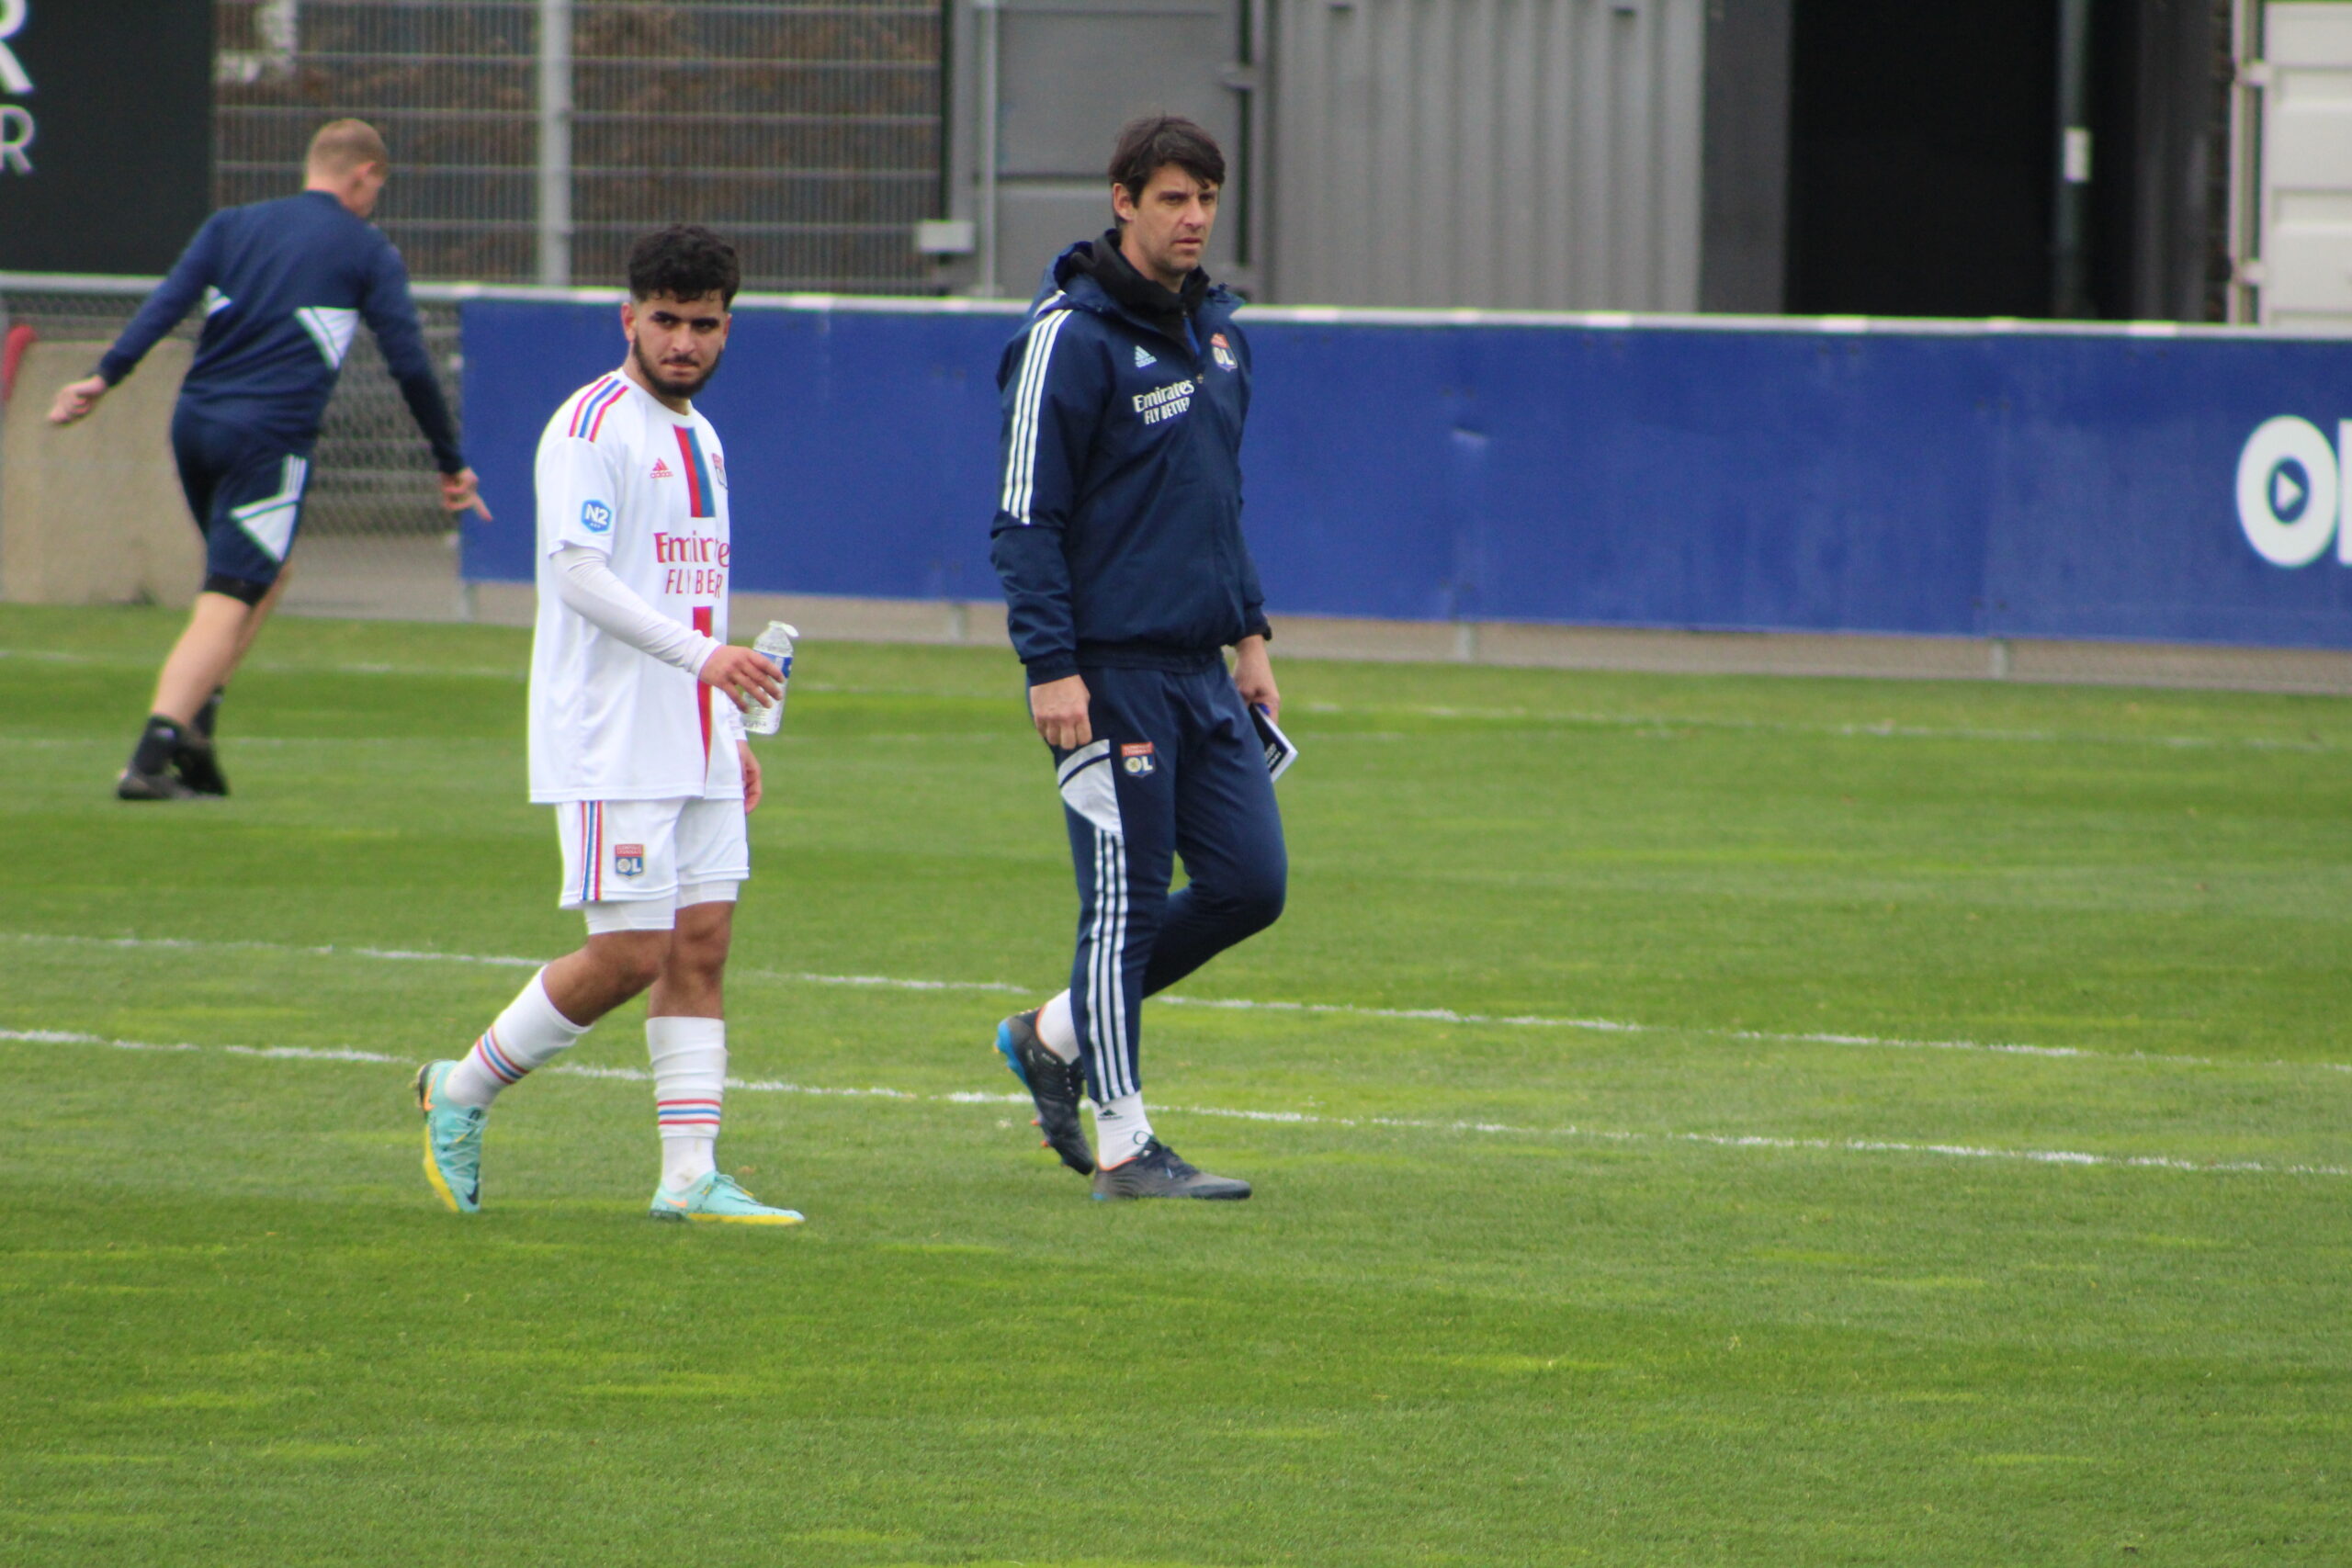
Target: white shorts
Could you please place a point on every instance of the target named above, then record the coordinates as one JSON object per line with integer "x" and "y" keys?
{"x": 632, "y": 865}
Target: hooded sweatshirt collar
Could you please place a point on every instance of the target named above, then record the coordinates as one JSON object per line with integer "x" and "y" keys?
{"x": 1167, "y": 310}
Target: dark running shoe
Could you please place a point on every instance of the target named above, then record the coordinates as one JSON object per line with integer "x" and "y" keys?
{"x": 1054, "y": 1085}
{"x": 199, "y": 766}
{"x": 1160, "y": 1172}
{"x": 136, "y": 785}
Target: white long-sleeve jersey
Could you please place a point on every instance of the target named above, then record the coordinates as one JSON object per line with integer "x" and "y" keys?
{"x": 621, "y": 475}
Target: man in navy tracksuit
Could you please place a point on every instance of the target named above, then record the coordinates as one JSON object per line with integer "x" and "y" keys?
{"x": 285, "y": 285}
{"x": 1118, "y": 537}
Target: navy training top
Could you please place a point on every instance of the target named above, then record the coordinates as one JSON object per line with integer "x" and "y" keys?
{"x": 285, "y": 285}
{"x": 1118, "y": 526}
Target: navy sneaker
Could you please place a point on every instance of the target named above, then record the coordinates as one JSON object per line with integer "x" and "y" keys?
{"x": 1054, "y": 1085}
{"x": 136, "y": 785}
{"x": 1160, "y": 1172}
{"x": 199, "y": 766}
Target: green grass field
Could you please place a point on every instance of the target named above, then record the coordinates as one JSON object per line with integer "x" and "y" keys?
{"x": 1711, "y": 1121}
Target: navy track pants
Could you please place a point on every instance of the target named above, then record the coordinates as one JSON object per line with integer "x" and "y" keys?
{"x": 1175, "y": 768}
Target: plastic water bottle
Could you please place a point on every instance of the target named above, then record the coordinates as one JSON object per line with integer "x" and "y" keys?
{"x": 775, "y": 644}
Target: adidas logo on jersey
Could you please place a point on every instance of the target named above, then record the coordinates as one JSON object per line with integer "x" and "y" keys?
{"x": 1143, "y": 359}
{"x": 662, "y": 470}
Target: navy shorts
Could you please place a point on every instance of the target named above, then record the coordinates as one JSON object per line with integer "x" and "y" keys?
{"x": 246, "y": 494}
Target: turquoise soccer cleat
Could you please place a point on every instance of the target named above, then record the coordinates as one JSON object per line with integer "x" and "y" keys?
{"x": 716, "y": 1200}
{"x": 452, "y": 1141}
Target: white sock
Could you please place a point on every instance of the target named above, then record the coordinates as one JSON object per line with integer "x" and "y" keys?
{"x": 1121, "y": 1130}
{"x": 689, "y": 1088}
{"x": 529, "y": 1034}
{"x": 1058, "y": 1030}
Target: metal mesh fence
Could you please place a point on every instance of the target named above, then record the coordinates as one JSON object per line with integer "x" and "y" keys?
{"x": 451, "y": 87}
{"x": 807, "y": 131}
{"x": 372, "y": 473}
{"x": 375, "y": 540}
{"x": 808, "y": 134}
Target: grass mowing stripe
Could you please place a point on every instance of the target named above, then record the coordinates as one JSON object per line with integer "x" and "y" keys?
{"x": 1237, "y": 1004}
{"x": 1288, "y": 1117}
{"x": 1559, "y": 719}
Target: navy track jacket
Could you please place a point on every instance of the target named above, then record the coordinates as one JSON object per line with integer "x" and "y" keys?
{"x": 1118, "y": 524}
{"x": 284, "y": 284}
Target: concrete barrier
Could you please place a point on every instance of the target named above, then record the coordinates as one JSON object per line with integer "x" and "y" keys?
{"x": 93, "y": 514}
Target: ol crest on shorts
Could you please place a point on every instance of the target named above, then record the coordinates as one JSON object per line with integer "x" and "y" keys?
{"x": 1222, "y": 352}
{"x": 1138, "y": 759}
{"x": 628, "y": 859}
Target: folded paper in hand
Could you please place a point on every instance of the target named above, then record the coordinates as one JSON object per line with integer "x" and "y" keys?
{"x": 1280, "y": 752}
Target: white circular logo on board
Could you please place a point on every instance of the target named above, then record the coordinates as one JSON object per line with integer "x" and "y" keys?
{"x": 2290, "y": 491}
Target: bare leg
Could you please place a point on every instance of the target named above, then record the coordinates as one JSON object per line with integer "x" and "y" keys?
{"x": 613, "y": 967}
{"x": 548, "y": 1015}
{"x": 261, "y": 612}
{"x": 688, "y": 986}
{"x": 220, "y": 631}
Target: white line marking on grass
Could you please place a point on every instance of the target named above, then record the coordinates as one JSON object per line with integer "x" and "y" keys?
{"x": 1288, "y": 1117}
{"x": 1238, "y": 1004}
{"x": 1620, "y": 1026}
{"x": 274, "y": 666}
{"x": 1881, "y": 731}
{"x": 748, "y": 1086}
{"x": 282, "y": 1053}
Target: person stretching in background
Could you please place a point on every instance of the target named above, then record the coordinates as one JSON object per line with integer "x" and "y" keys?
{"x": 284, "y": 284}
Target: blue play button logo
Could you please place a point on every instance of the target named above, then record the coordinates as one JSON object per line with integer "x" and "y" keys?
{"x": 2291, "y": 488}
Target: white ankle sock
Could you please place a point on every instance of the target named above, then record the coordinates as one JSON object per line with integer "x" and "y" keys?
{"x": 1058, "y": 1030}
{"x": 689, "y": 1089}
{"x": 529, "y": 1034}
{"x": 1121, "y": 1130}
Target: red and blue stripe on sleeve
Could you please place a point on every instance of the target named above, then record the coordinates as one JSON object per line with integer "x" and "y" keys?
{"x": 701, "y": 501}
{"x": 588, "y": 413}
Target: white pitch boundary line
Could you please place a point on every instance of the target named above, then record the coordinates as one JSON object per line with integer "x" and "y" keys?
{"x": 1884, "y": 730}
{"x": 1287, "y": 1118}
{"x": 1338, "y": 1010}
{"x": 518, "y": 674}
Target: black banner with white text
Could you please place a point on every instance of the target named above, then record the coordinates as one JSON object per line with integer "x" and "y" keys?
{"x": 105, "y": 132}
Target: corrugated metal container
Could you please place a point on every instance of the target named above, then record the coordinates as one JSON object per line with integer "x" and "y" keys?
{"x": 1041, "y": 89}
{"x": 2305, "y": 268}
{"x": 1505, "y": 153}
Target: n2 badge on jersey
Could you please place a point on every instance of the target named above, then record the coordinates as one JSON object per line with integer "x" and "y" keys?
{"x": 628, "y": 859}
{"x": 1138, "y": 759}
{"x": 596, "y": 518}
{"x": 1222, "y": 352}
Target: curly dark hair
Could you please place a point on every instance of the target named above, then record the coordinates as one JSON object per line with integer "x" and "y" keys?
{"x": 1152, "y": 141}
{"x": 684, "y": 261}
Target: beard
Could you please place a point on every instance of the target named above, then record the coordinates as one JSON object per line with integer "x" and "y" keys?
{"x": 670, "y": 382}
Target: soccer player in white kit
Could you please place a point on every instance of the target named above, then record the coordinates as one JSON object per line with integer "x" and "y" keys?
{"x": 637, "y": 740}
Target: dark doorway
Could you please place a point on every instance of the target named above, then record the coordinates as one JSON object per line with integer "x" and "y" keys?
{"x": 1922, "y": 144}
{"x": 2157, "y": 228}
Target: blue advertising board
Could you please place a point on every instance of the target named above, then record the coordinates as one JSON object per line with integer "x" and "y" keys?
{"x": 2151, "y": 485}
